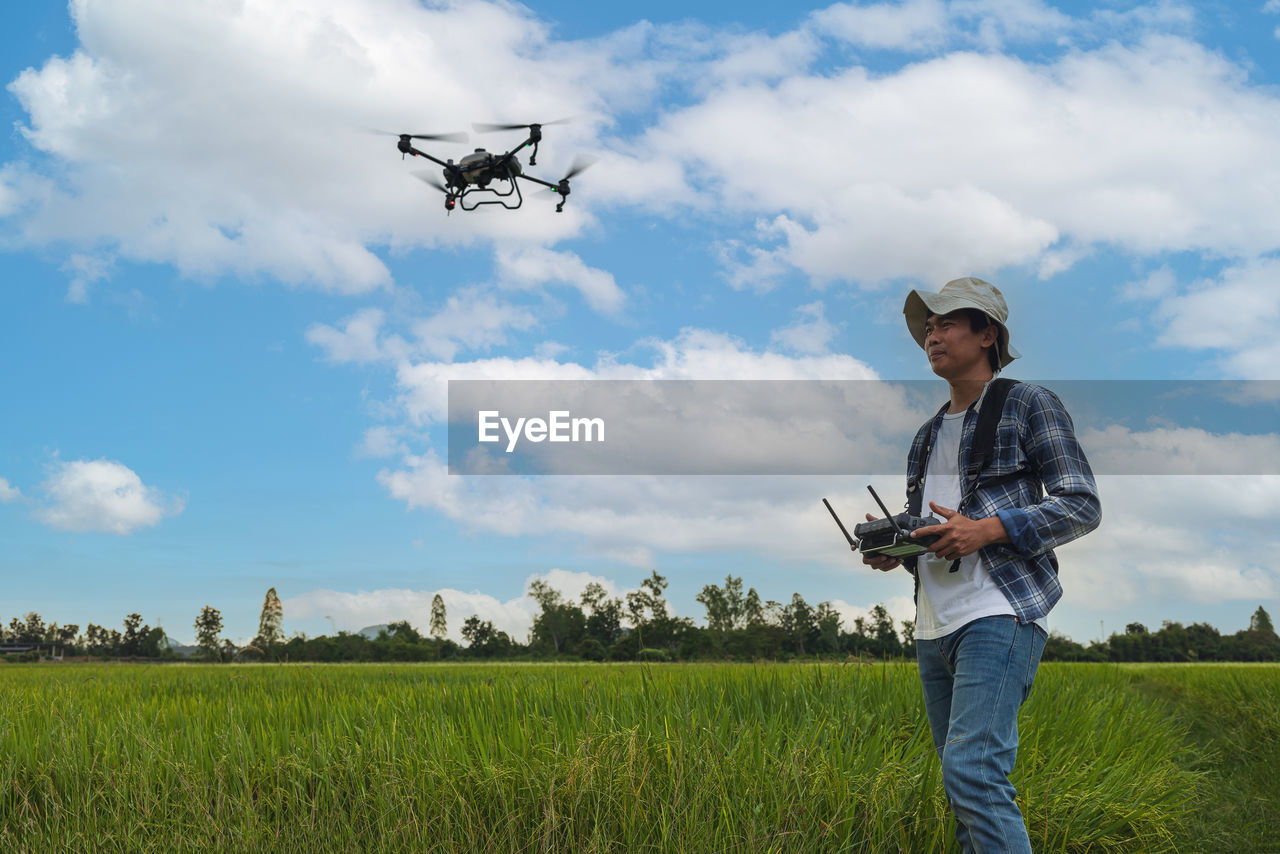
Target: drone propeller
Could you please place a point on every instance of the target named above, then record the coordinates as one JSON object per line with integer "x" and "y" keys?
{"x": 482, "y": 127}
{"x": 432, "y": 180}
{"x": 438, "y": 137}
{"x": 579, "y": 164}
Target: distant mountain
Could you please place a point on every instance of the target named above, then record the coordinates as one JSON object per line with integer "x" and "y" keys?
{"x": 371, "y": 632}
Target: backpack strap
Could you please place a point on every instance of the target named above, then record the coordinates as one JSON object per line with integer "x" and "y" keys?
{"x": 984, "y": 440}
{"x": 984, "y": 434}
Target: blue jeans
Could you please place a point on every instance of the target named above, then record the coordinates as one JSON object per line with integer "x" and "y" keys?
{"x": 974, "y": 680}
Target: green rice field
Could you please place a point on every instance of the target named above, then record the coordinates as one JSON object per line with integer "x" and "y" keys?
{"x": 626, "y": 758}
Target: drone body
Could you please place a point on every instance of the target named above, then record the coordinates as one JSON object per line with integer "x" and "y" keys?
{"x": 485, "y": 177}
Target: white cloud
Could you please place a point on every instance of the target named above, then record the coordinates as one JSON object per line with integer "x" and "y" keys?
{"x": 1235, "y": 313}
{"x": 84, "y": 271}
{"x": 1157, "y": 284}
{"x": 382, "y": 441}
{"x": 354, "y": 611}
{"x": 809, "y": 334}
{"x": 8, "y": 493}
{"x": 532, "y": 267}
{"x": 912, "y": 25}
{"x": 1179, "y": 450}
{"x": 470, "y": 321}
{"x": 104, "y": 496}
{"x": 220, "y": 139}
{"x": 357, "y": 341}
{"x": 631, "y": 518}
{"x": 694, "y": 354}
{"x": 925, "y": 26}
{"x": 973, "y": 161}
{"x": 1177, "y": 538}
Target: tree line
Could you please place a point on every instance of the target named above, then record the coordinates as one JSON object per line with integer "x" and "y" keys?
{"x": 636, "y": 627}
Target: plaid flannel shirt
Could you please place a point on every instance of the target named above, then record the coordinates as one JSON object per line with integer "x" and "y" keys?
{"x": 1037, "y": 481}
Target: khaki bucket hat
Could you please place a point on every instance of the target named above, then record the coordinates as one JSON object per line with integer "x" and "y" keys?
{"x": 956, "y": 294}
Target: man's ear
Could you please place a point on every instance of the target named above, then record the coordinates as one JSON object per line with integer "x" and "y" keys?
{"x": 990, "y": 335}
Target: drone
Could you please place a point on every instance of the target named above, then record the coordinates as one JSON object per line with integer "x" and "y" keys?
{"x": 486, "y": 177}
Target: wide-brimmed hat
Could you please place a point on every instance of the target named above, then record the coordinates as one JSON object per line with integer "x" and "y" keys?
{"x": 957, "y": 294}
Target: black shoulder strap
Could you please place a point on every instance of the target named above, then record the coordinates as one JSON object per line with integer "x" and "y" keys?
{"x": 984, "y": 434}
{"x": 984, "y": 440}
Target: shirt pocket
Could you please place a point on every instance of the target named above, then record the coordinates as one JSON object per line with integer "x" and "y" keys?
{"x": 1006, "y": 458}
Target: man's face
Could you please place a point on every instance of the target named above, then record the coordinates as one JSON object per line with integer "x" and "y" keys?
{"x": 954, "y": 350}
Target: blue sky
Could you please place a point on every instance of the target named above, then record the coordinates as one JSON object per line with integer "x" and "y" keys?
{"x": 229, "y": 313}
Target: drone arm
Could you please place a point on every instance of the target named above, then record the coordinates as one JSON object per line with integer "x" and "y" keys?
{"x": 416, "y": 153}
{"x": 540, "y": 181}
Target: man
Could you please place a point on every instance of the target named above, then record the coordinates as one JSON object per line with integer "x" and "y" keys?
{"x": 983, "y": 594}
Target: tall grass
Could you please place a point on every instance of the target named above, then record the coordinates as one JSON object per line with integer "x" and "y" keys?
{"x": 529, "y": 758}
{"x": 1233, "y": 712}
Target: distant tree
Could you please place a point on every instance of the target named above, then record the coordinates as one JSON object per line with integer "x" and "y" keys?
{"x": 484, "y": 640}
{"x": 1261, "y": 621}
{"x": 735, "y": 603}
{"x": 1135, "y": 629}
{"x": 134, "y": 632}
{"x": 592, "y": 650}
{"x": 648, "y": 605}
{"x": 798, "y": 623}
{"x": 154, "y": 642}
{"x": 269, "y": 631}
{"x": 561, "y": 624}
{"x": 604, "y": 615}
{"x": 752, "y": 610}
{"x": 439, "y": 627}
{"x": 208, "y": 625}
{"x": 29, "y": 630}
{"x": 99, "y": 641}
{"x": 827, "y": 621}
{"x": 403, "y": 632}
{"x": 726, "y": 607}
{"x": 1059, "y": 647}
{"x": 477, "y": 632}
{"x": 718, "y": 617}
{"x": 593, "y": 597}
{"x": 909, "y": 633}
{"x": 883, "y": 631}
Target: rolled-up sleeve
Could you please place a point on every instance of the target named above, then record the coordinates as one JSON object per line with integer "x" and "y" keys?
{"x": 1069, "y": 507}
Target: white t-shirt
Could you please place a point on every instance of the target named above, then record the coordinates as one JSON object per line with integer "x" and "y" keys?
{"x": 949, "y": 600}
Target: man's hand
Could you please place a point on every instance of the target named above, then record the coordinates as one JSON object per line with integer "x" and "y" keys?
{"x": 959, "y": 535}
{"x": 884, "y": 563}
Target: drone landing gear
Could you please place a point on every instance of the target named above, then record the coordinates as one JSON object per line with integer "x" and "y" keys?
{"x": 499, "y": 198}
